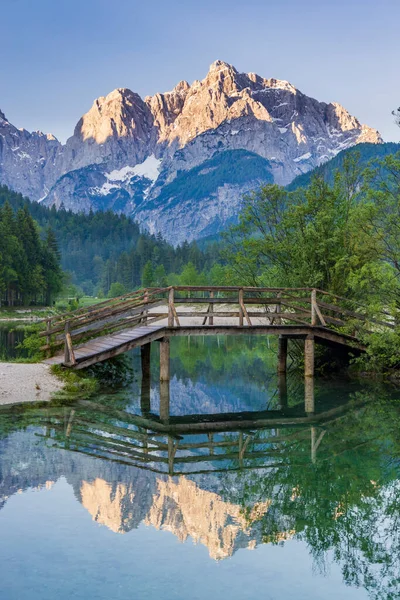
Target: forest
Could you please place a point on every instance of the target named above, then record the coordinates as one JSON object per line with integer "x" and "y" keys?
{"x": 30, "y": 271}
{"x": 100, "y": 253}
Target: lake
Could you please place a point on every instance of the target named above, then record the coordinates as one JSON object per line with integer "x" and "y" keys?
{"x": 227, "y": 483}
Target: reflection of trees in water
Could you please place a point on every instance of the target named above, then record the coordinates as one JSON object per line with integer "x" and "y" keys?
{"x": 11, "y": 335}
{"x": 348, "y": 502}
{"x": 251, "y": 359}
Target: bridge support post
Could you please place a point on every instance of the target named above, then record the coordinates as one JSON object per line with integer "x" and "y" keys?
{"x": 282, "y": 390}
{"x": 145, "y": 406}
{"x": 309, "y": 345}
{"x": 164, "y": 360}
{"x": 282, "y": 353}
{"x": 164, "y": 401}
{"x": 309, "y": 400}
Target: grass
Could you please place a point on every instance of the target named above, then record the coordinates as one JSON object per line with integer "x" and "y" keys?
{"x": 75, "y": 384}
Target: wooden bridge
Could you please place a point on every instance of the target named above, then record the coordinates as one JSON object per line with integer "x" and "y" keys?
{"x": 94, "y": 334}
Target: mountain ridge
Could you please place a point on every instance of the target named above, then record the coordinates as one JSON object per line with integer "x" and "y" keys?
{"x": 180, "y": 130}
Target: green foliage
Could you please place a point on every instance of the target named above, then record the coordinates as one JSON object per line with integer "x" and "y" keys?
{"x": 307, "y": 238}
{"x": 148, "y": 275}
{"x": 382, "y": 352}
{"x": 116, "y": 289}
{"x": 32, "y": 343}
{"x": 30, "y": 272}
{"x": 114, "y": 372}
{"x": 76, "y": 383}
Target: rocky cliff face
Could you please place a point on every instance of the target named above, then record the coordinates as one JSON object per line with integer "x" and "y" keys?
{"x": 180, "y": 162}
{"x": 27, "y": 160}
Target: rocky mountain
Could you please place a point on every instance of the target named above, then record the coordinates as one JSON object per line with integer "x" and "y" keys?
{"x": 180, "y": 162}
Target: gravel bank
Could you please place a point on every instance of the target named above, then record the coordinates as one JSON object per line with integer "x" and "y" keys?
{"x": 26, "y": 383}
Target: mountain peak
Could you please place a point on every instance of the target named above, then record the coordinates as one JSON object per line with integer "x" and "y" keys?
{"x": 182, "y": 86}
{"x": 2, "y": 116}
{"x": 220, "y": 65}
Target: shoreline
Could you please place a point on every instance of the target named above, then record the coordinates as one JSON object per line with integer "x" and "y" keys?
{"x": 27, "y": 382}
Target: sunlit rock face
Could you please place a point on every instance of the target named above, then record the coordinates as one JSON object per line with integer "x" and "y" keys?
{"x": 227, "y": 118}
{"x": 179, "y": 506}
{"x": 183, "y": 508}
{"x": 107, "y": 503}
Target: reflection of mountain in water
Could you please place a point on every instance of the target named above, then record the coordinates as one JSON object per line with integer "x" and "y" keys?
{"x": 122, "y": 497}
{"x": 208, "y": 398}
{"x": 177, "y": 505}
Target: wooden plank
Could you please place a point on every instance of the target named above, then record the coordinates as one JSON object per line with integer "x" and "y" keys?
{"x": 115, "y": 351}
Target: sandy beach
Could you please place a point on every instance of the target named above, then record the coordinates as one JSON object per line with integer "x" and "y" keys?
{"x": 21, "y": 382}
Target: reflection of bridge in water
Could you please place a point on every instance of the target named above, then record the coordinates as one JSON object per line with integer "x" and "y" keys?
{"x": 194, "y": 443}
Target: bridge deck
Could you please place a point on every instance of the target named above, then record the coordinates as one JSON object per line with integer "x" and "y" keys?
{"x": 105, "y": 347}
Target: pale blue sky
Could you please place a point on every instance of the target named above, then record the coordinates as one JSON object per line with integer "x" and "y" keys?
{"x": 57, "y": 56}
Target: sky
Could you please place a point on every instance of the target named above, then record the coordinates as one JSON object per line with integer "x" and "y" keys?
{"x": 57, "y": 56}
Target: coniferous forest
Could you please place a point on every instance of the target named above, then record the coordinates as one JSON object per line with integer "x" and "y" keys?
{"x": 100, "y": 253}
{"x": 30, "y": 271}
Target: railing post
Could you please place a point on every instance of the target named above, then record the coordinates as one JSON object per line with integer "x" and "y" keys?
{"x": 313, "y": 307}
{"x": 66, "y": 348}
{"x": 69, "y": 356}
{"x": 240, "y": 307}
{"x": 211, "y": 318}
{"x": 171, "y": 308}
{"x": 145, "y": 301}
{"x": 278, "y": 310}
{"x": 48, "y": 326}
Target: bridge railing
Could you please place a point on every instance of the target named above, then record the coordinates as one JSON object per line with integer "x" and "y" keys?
{"x": 241, "y": 306}
{"x": 103, "y": 318}
{"x": 304, "y": 306}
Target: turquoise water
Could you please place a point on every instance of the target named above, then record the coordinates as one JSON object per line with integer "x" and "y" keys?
{"x": 228, "y": 484}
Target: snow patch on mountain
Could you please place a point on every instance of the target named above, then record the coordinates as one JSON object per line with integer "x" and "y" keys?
{"x": 305, "y": 156}
{"x": 149, "y": 168}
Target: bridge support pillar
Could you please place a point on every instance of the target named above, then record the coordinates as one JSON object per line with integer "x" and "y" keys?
{"x": 282, "y": 390}
{"x": 309, "y": 400}
{"x": 145, "y": 351}
{"x": 282, "y": 353}
{"x": 164, "y": 401}
{"x": 309, "y": 345}
{"x": 164, "y": 360}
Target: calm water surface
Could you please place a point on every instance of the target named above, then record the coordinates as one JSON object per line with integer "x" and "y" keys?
{"x": 12, "y": 335}
{"x": 227, "y": 484}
